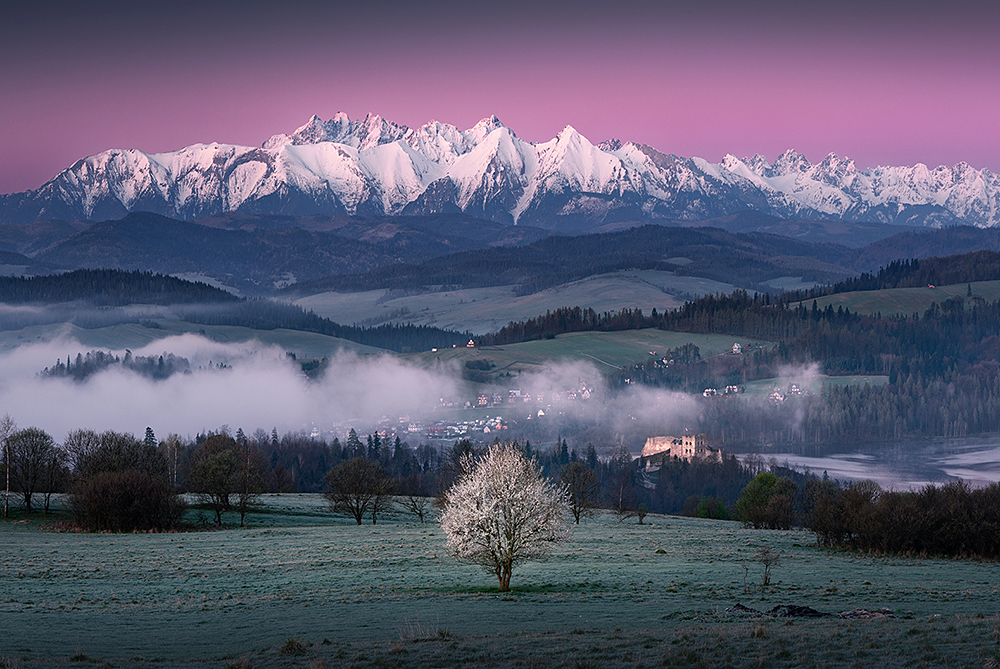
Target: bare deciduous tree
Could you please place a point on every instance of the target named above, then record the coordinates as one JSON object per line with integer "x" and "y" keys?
{"x": 173, "y": 451}
{"x": 768, "y": 559}
{"x": 80, "y": 447}
{"x": 214, "y": 467}
{"x": 7, "y": 427}
{"x": 358, "y": 487}
{"x": 416, "y": 495}
{"x": 32, "y": 452}
{"x": 622, "y": 491}
{"x": 583, "y": 489}
{"x": 249, "y": 479}
{"x": 503, "y": 512}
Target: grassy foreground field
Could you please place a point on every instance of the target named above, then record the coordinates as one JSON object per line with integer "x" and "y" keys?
{"x": 303, "y": 588}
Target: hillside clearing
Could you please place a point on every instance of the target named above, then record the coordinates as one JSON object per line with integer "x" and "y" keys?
{"x": 606, "y": 351}
{"x": 906, "y": 301}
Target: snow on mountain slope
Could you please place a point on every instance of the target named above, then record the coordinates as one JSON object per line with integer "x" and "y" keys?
{"x": 374, "y": 166}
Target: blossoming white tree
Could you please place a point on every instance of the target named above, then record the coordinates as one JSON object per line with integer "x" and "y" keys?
{"x": 502, "y": 512}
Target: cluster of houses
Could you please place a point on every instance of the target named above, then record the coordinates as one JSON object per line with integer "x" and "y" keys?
{"x": 729, "y": 391}
{"x": 777, "y": 396}
{"x": 515, "y": 396}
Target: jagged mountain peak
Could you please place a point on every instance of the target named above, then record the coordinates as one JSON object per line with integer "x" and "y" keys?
{"x": 374, "y": 166}
{"x": 788, "y": 162}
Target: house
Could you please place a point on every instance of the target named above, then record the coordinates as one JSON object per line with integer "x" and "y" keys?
{"x": 471, "y": 344}
{"x": 737, "y": 349}
{"x": 688, "y": 447}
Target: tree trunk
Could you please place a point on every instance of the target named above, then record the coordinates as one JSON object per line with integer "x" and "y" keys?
{"x": 6, "y": 495}
{"x": 504, "y": 576}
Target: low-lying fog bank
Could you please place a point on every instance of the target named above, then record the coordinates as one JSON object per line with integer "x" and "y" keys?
{"x": 254, "y": 385}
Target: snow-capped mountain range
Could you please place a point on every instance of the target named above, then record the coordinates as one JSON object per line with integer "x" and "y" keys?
{"x": 376, "y": 167}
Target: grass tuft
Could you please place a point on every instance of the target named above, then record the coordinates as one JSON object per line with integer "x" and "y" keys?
{"x": 293, "y": 646}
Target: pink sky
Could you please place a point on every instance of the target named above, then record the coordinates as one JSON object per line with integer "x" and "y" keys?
{"x": 882, "y": 82}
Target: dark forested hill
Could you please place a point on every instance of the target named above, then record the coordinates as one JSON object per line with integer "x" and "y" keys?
{"x": 925, "y": 244}
{"x": 741, "y": 259}
{"x": 108, "y": 287}
{"x": 251, "y": 260}
{"x": 257, "y": 253}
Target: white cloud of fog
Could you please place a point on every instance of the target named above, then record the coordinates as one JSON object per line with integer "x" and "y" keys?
{"x": 260, "y": 388}
{"x": 632, "y": 414}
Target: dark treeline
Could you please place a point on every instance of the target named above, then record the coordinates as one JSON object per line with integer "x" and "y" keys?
{"x": 83, "y": 366}
{"x": 228, "y": 472}
{"x": 108, "y": 287}
{"x": 953, "y": 519}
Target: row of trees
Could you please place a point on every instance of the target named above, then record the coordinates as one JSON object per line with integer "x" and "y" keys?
{"x": 117, "y": 482}
{"x": 952, "y": 519}
{"x": 229, "y": 472}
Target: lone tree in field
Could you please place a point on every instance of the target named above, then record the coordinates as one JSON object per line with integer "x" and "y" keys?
{"x": 502, "y": 512}
{"x": 358, "y": 487}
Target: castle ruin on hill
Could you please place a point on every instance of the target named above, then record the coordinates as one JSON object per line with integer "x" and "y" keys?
{"x": 659, "y": 450}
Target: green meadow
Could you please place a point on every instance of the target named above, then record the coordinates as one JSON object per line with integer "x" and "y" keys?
{"x": 134, "y": 336}
{"x": 301, "y": 587}
{"x": 906, "y": 301}
{"x": 605, "y": 350}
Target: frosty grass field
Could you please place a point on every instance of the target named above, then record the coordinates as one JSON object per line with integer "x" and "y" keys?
{"x": 303, "y": 587}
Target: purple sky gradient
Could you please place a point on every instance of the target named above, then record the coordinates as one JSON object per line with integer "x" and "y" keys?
{"x": 883, "y": 82}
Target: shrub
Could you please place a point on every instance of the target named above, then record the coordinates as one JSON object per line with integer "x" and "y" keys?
{"x": 126, "y": 501}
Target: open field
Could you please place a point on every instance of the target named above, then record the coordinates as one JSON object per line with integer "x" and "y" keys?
{"x": 906, "y": 300}
{"x": 814, "y": 383}
{"x": 606, "y": 350}
{"x": 390, "y": 596}
{"x": 483, "y": 310}
{"x": 134, "y": 336}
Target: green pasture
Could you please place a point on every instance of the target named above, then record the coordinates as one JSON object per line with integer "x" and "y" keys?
{"x": 302, "y": 587}
{"x": 606, "y": 350}
{"x": 906, "y": 301}
{"x": 813, "y": 383}
{"x": 483, "y": 310}
{"x": 134, "y": 336}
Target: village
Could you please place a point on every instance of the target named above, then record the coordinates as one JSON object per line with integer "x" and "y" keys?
{"x": 466, "y": 418}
